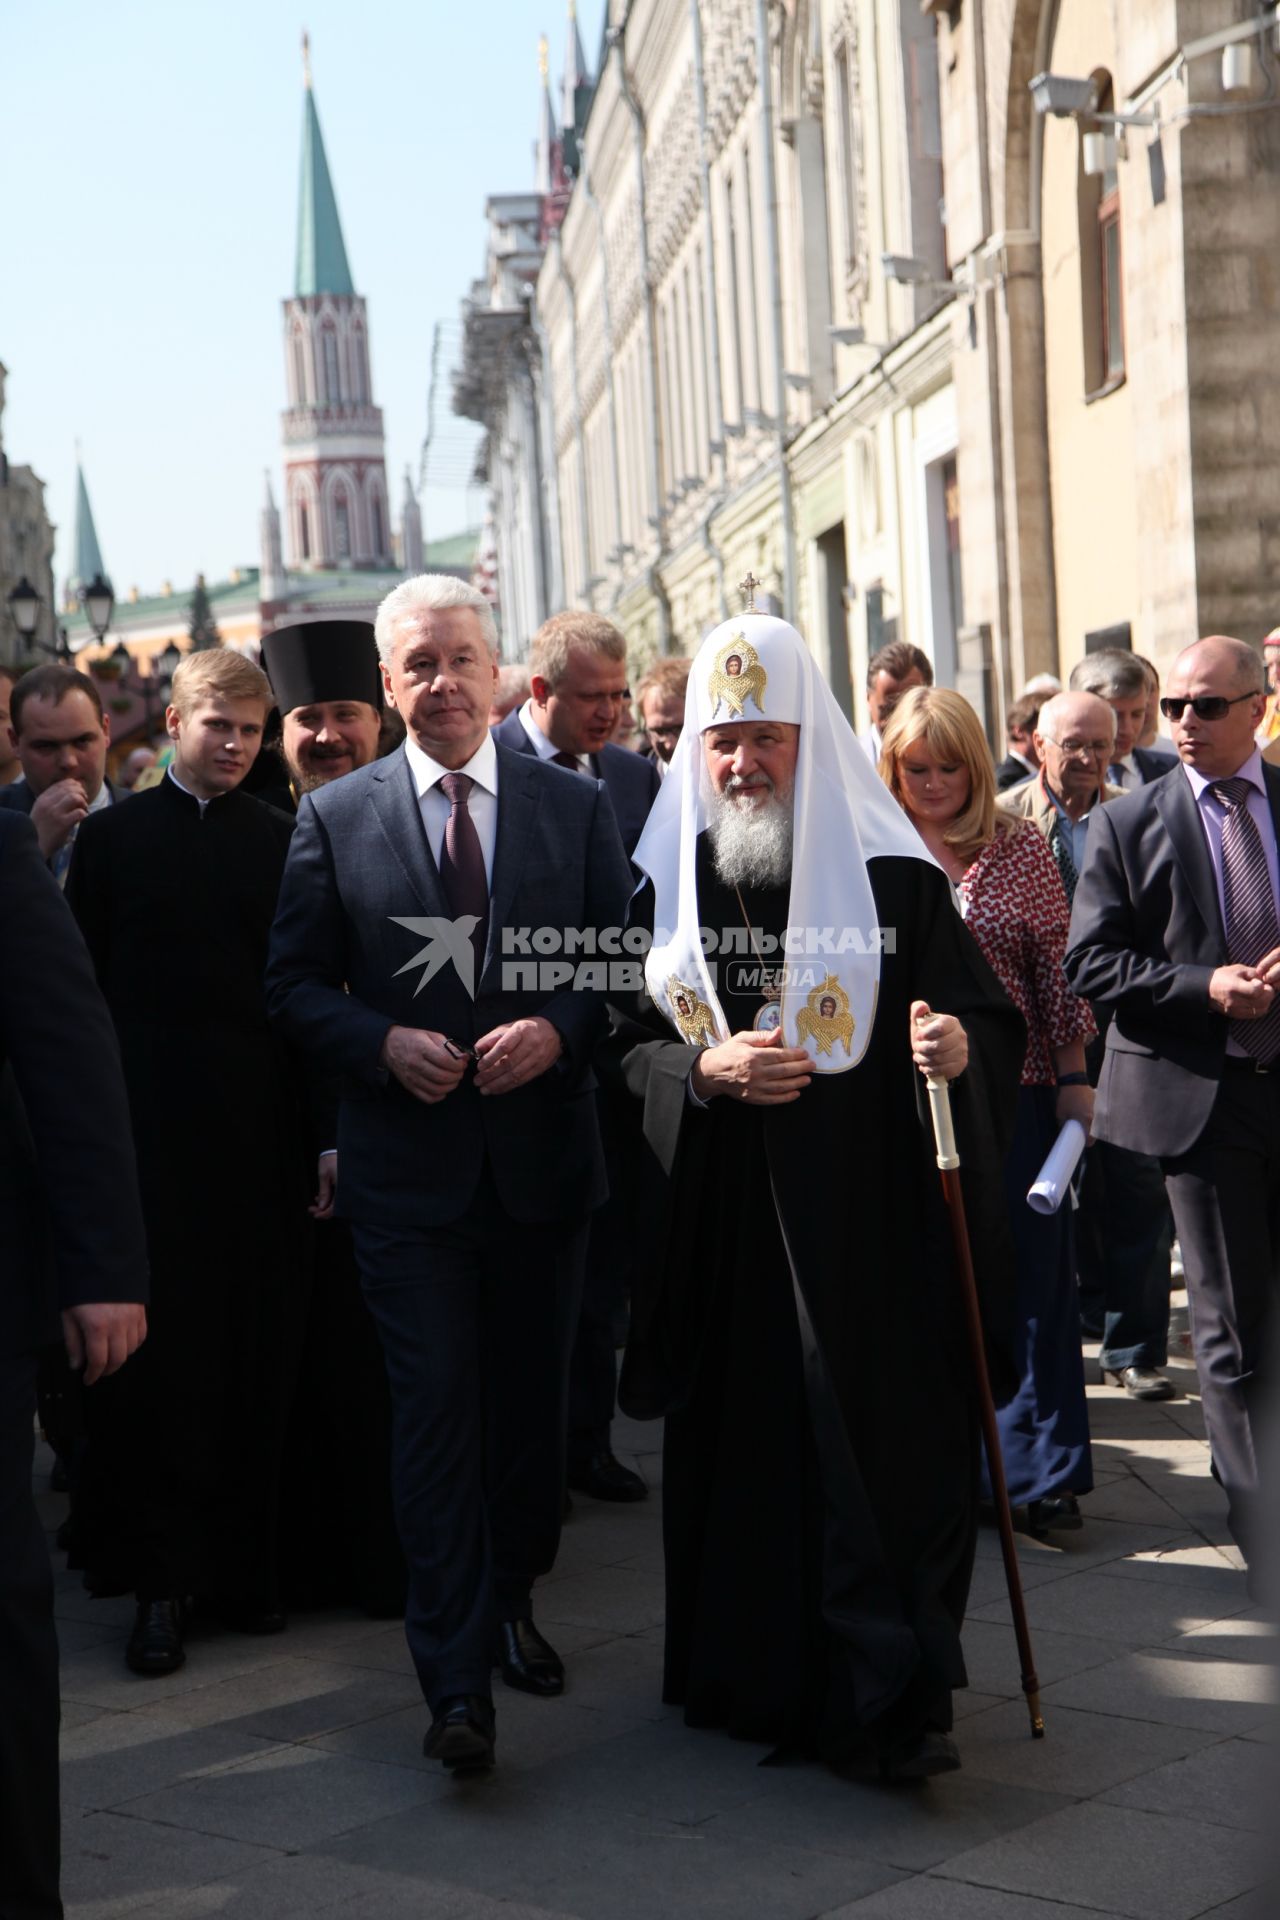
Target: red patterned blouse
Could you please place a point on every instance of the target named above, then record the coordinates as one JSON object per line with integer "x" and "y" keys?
{"x": 1015, "y": 907}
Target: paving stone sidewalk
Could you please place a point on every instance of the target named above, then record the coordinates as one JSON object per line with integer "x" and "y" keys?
{"x": 284, "y": 1777}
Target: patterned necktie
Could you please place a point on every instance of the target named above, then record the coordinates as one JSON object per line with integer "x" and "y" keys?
{"x": 1060, "y": 848}
{"x": 567, "y": 760}
{"x": 462, "y": 873}
{"x": 1249, "y": 907}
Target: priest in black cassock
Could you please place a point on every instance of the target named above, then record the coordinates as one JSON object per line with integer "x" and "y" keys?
{"x": 801, "y": 1323}
{"x": 175, "y": 892}
{"x": 340, "y": 1544}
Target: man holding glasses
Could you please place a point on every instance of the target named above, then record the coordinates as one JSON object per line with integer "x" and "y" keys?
{"x": 1176, "y": 930}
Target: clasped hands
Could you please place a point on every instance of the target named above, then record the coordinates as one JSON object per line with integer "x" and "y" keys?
{"x": 429, "y": 1065}
{"x": 759, "y": 1069}
{"x": 1246, "y": 993}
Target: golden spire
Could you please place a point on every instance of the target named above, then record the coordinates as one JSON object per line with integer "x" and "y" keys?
{"x": 306, "y": 59}
{"x": 573, "y": 9}
{"x": 544, "y": 57}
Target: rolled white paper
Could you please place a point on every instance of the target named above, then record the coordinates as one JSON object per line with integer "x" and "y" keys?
{"x": 1054, "y": 1179}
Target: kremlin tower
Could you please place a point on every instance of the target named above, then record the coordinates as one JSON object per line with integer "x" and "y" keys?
{"x": 335, "y": 500}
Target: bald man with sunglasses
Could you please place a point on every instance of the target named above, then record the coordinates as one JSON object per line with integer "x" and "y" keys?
{"x": 1175, "y": 929}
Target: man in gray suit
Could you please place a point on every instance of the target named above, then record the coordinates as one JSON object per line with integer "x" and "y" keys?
{"x": 1175, "y": 929}
{"x": 468, "y": 1149}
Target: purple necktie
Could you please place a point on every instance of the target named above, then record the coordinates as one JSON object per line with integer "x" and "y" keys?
{"x": 1249, "y": 907}
{"x": 462, "y": 872}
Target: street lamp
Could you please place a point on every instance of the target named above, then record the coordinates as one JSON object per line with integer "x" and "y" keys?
{"x": 166, "y": 664}
{"x": 98, "y": 601}
{"x": 24, "y": 605}
{"x": 120, "y": 659}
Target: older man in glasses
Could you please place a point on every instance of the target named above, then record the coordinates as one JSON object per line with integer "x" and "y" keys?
{"x": 1176, "y": 930}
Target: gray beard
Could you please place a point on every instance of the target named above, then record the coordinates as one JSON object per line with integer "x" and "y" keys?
{"x": 752, "y": 845}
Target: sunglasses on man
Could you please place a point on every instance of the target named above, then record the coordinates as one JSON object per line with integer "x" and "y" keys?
{"x": 1206, "y": 706}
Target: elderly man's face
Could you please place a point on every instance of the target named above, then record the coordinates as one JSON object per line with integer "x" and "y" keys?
{"x": 1075, "y": 761}
{"x": 329, "y": 738}
{"x": 749, "y": 761}
{"x": 884, "y": 693}
{"x": 580, "y": 713}
{"x": 441, "y": 681}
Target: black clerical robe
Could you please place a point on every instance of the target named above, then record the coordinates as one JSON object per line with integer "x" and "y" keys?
{"x": 800, "y": 1327}
{"x": 180, "y": 1491}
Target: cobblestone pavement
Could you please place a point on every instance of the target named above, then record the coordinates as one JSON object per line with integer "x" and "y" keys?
{"x": 284, "y": 1777}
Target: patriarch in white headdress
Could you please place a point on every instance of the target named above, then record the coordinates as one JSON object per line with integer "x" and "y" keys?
{"x": 837, "y": 816}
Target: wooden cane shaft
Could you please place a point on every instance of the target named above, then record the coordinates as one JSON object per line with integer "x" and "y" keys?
{"x": 991, "y": 1434}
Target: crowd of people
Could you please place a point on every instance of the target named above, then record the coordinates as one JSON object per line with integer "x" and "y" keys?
{"x": 411, "y": 1030}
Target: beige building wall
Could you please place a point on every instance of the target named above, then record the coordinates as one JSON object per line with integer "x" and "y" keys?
{"x": 1091, "y": 436}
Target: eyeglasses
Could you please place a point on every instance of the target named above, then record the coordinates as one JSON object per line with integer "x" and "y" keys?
{"x": 1206, "y": 706}
{"x": 1084, "y": 749}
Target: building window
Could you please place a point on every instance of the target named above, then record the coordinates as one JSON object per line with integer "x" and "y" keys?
{"x": 304, "y": 530}
{"x": 1101, "y": 255}
{"x": 299, "y": 372}
{"x": 1112, "y": 293}
{"x": 341, "y": 526}
{"x": 378, "y": 547}
{"x": 332, "y": 385}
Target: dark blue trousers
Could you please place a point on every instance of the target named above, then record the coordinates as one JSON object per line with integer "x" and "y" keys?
{"x": 476, "y": 1321}
{"x": 1124, "y": 1231}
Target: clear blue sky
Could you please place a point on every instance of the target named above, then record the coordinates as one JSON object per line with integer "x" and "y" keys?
{"x": 150, "y": 165}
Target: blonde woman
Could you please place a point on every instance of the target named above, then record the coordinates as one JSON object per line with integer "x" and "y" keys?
{"x": 935, "y": 760}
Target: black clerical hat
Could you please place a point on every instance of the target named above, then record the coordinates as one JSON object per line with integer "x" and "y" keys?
{"x": 322, "y": 660}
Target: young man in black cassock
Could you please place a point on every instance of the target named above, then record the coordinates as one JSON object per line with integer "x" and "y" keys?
{"x": 801, "y": 1323}
{"x": 175, "y": 892}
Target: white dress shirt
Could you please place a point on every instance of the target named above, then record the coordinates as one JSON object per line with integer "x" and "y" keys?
{"x": 544, "y": 748}
{"x": 870, "y": 741}
{"x": 482, "y": 801}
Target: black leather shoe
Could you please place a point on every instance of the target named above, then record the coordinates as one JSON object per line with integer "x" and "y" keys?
{"x": 1140, "y": 1383}
{"x": 526, "y": 1660}
{"x": 462, "y": 1734}
{"x": 605, "y": 1478}
{"x": 919, "y": 1758}
{"x": 1056, "y": 1513}
{"x": 155, "y": 1646}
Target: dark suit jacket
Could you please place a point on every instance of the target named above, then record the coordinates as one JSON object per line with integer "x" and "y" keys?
{"x": 1010, "y": 772}
{"x": 631, "y": 780}
{"x": 68, "y": 1183}
{"x": 342, "y": 973}
{"x": 1146, "y": 934}
{"x": 1154, "y": 762}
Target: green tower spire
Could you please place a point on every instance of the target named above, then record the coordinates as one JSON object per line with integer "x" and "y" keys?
{"x": 88, "y": 562}
{"x": 322, "y": 257}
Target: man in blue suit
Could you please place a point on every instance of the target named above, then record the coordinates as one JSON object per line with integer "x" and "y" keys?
{"x": 578, "y": 681}
{"x": 468, "y": 1147}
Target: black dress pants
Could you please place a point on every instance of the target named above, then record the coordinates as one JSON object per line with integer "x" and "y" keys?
{"x": 476, "y": 1319}
{"x": 1225, "y": 1195}
{"x": 29, "y": 1825}
{"x": 1123, "y": 1238}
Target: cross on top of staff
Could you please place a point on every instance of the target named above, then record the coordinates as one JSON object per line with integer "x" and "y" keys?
{"x": 748, "y": 592}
